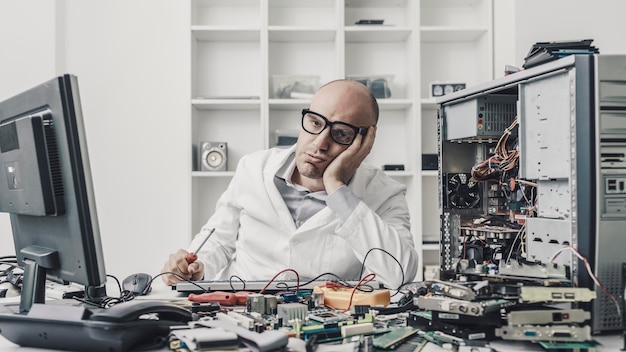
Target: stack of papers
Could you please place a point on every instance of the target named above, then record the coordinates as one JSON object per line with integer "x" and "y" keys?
{"x": 542, "y": 52}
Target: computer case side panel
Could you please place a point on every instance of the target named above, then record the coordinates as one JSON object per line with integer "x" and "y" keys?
{"x": 609, "y": 243}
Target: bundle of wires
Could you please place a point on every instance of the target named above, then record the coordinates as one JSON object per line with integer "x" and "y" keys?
{"x": 503, "y": 160}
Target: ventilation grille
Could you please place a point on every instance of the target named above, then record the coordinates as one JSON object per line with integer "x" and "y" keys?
{"x": 497, "y": 116}
{"x": 52, "y": 148}
{"x": 607, "y": 318}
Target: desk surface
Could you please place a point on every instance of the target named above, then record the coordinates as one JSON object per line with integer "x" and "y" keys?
{"x": 609, "y": 342}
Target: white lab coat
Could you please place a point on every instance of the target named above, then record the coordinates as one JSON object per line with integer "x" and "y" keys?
{"x": 255, "y": 236}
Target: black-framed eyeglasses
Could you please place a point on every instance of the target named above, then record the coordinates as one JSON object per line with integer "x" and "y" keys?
{"x": 341, "y": 132}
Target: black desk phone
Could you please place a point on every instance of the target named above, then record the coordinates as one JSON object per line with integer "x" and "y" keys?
{"x": 119, "y": 328}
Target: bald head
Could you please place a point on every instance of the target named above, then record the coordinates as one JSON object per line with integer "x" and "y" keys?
{"x": 339, "y": 108}
{"x": 347, "y": 97}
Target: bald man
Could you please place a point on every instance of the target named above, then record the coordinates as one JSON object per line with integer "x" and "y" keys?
{"x": 314, "y": 208}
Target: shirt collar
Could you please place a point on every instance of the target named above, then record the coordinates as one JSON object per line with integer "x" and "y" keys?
{"x": 286, "y": 171}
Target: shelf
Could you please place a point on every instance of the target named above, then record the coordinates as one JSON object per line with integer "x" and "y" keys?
{"x": 376, "y": 33}
{"x": 225, "y": 34}
{"x": 447, "y": 4}
{"x": 451, "y": 34}
{"x": 430, "y": 246}
{"x": 288, "y": 104}
{"x": 400, "y": 173}
{"x": 394, "y": 104}
{"x": 375, "y": 3}
{"x": 384, "y": 104}
{"x": 428, "y": 103}
{"x": 221, "y": 174}
{"x": 301, "y": 3}
{"x": 226, "y": 104}
{"x": 301, "y": 34}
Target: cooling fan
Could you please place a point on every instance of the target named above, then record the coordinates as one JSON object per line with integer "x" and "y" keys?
{"x": 462, "y": 191}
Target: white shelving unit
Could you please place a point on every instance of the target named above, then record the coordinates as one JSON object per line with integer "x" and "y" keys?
{"x": 456, "y": 45}
{"x": 238, "y": 46}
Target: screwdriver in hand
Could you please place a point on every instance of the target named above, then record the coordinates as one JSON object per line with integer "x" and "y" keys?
{"x": 192, "y": 257}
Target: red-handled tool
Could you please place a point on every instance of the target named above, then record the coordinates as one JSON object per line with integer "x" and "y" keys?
{"x": 223, "y": 298}
{"x": 192, "y": 257}
{"x": 242, "y": 297}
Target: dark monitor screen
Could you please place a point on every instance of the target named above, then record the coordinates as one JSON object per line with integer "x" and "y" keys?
{"x": 45, "y": 185}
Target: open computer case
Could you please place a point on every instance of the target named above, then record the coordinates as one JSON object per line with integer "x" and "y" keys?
{"x": 555, "y": 194}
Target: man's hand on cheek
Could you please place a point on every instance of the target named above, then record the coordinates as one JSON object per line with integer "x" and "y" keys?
{"x": 343, "y": 167}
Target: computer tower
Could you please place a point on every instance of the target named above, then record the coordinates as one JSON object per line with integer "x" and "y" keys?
{"x": 552, "y": 183}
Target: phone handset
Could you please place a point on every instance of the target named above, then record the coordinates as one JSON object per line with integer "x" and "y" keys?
{"x": 133, "y": 310}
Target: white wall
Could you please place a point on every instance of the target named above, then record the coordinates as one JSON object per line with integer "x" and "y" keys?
{"x": 554, "y": 20}
{"x": 25, "y": 38}
{"x": 521, "y": 23}
{"x": 503, "y": 36}
{"x": 131, "y": 59}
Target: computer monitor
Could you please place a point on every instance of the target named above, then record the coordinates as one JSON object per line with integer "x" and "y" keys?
{"x": 45, "y": 185}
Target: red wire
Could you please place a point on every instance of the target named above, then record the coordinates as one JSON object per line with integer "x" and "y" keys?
{"x": 280, "y": 272}
{"x": 593, "y": 276}
{"x": 369, "y": 278}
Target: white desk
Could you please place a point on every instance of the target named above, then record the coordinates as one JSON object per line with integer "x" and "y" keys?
{"x": 612, "y": 342}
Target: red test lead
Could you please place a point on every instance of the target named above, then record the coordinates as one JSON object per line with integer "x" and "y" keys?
{"x": 192, "y": 257}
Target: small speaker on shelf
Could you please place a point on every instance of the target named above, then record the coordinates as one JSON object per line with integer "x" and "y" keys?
{"x": 213, "y": 156}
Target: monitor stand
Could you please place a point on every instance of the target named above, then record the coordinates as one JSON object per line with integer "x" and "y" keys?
{"x": 37, "y": 260}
